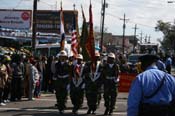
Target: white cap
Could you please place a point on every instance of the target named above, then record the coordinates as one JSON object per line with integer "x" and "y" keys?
{"x": 63, "y": 53}
{"x": 79, "y": 56}
{"x": 111, "y": 55}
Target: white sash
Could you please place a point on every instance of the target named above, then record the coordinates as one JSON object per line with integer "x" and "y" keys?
{"x": 78, "y": 82}
{"x": 96, "y": 73}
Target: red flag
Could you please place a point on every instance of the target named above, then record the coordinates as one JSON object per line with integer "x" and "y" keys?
{"x": 62, "y": 43}
{"x": 90, "y": 45}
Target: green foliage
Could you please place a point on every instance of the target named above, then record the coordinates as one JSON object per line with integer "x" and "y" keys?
{"x": 168, "y": 30}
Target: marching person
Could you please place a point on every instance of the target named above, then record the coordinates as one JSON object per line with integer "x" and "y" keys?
{"x": 93, "y": 80}
{"x": 62, "y": 74}
{"x": 111, "y": 78}
{"x": 77, "y": 84}
{"x": 152, "y": 92}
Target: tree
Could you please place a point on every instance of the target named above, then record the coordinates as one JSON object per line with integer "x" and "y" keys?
{"x": 168, "y": 30}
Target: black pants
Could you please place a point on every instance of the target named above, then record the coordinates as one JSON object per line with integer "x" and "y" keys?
{"x": 110, "y": 94}
{"x": 155, "y": 110}
{"x": 16, "y": 89}
{"x": 76, "y": 95}
{"x": 91, "y": 97}
{"x": 1, "y": 92}
{"x": 168, "y": 68}
{"x": 61, "y": 93}
{"x": 7, "y": 90}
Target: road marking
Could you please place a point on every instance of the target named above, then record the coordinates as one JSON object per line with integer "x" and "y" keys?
{"x": 81, "y": 111}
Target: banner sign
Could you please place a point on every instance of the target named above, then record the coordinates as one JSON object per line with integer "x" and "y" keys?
{"x": 126, "y": 81}
{"x": 49, "y": 21}
{"x": 15, "y": 19}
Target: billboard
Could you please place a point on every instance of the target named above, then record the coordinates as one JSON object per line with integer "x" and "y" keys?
{"x": 15, "y": 19}
{"x": 48, "y": 21}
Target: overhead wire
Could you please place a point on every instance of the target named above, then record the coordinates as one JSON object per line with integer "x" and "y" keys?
{"x": 18, "y": 4}
{"x": 130, "y": 21}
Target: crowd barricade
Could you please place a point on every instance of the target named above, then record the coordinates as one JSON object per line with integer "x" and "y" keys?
{"x": 126, "y": 81}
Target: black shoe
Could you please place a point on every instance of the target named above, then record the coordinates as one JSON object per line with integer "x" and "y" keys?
{"x": 93, "y": 112}
{"x": 74, "y": 111}
{"x": 89, "y": 111}
{"x": 111, "y": 111}
{"x": 61, "y": 112}
{"x": 106, "y": 111}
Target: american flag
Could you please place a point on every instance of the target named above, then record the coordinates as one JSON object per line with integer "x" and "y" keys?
{"x": 74, "y": 42}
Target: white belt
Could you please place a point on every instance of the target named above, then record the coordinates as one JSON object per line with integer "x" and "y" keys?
{"x": 111, "y": 78}
{"x": 64, "y": 76}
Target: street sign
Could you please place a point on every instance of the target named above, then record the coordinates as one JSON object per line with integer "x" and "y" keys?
{"x": 15, "y": 19}
{"x": 48, "y": 21}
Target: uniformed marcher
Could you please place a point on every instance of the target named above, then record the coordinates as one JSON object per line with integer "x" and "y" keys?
{"x": 77, "y": 84}
{"x": 62, "y": 75}
{"x": 93, "y": 80}
{"x": 111, "y": 78}
{"x": 152, "y": 92}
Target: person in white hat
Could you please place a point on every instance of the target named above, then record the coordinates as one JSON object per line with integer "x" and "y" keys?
{"x": 62, "y": 75}
{"x": 77, "y": 84}
{"x": 93, "y": 81}
{"x": 111, "y": 73}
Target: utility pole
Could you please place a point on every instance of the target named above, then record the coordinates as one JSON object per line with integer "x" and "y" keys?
{"x": 56, "y": 5}
{"x": 102, "y": 25}
{"x": 34, "y": 26}
{"x": 146, "y": 38}
{"x": 149, "y": 39}
{"x": 141, "y": 37}
{"x": 135, "y": 41}
{"x": 124, "y": 27}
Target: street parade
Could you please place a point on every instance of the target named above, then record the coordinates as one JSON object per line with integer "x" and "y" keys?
{"x": 58, "y": 62}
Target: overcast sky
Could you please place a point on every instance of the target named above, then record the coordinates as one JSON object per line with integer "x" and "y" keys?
{"x": 144, "y": 13}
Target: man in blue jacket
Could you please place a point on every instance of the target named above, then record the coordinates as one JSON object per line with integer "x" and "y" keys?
{"x": 152, "y": 92}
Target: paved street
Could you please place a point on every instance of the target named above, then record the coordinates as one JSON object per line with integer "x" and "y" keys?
{"x": 45, "y": 107}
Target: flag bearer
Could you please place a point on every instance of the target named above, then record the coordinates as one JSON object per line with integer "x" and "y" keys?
{"x": 77, "y": 84}
{"x": 93, "y": 81}
{"x": 62, "y": 75}
{"x": 111, "y": 73}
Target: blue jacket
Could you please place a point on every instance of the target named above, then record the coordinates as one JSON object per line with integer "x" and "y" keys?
{"x": 146, "y": 83}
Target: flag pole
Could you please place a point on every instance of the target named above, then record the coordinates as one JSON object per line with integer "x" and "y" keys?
{"x": 61, "y": 4}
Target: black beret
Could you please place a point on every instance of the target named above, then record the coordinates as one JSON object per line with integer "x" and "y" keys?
{"x": 148, "y": 58}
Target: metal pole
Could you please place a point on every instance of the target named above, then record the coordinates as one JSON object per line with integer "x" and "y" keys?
{"x": 102, "y": 30}
{"x": 135, "y": 42}
{"x": 123, "y": 43}
{"x": 34, "y": 26}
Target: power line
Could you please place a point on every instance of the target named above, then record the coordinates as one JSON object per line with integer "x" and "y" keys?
{"x": 19, "y": 3}
{"x": 130, "y": 21}
{"x": 152, "y": 3}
